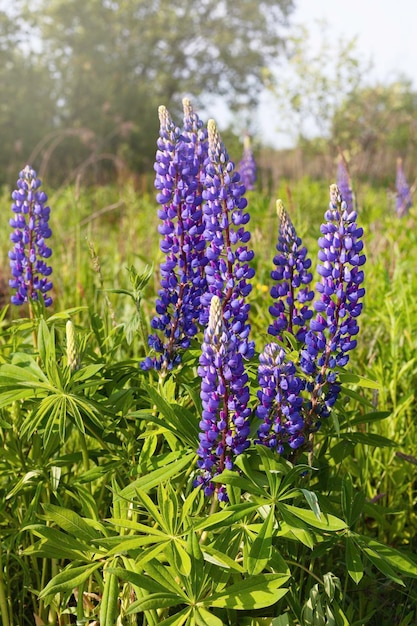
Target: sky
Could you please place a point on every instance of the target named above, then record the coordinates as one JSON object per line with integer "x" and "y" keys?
{"x": 386, "y": 32}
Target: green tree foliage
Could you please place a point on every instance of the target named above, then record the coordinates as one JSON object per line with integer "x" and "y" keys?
{"x": 318, "y": 79}
{"x": 372, "y": 118}
{"x": 110, "y": 63}
{"x": 26, "y": 107}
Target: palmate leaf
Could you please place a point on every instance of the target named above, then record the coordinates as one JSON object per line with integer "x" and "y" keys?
{"x": 255, "y": 592}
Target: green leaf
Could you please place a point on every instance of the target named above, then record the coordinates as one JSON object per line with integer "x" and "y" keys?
{"x": 139, "y": 580}
{"x": 211, "y": 555}
{"x": 86, "y": 372}
{"x": 229, "y": 477}
{"x": 151, "y": 480}
{"x": 353, "y": 561}
{"x": 160, "y": 600}
{"x": 312, "y": 502}
{"x": 71, "y": 522}
{"x": 396, "y": 559}
{"x": 361, "y": 381}
{"x": 27, "y": 478}
{"x": 179, "y": 619}
{"x": 328, "y": 522}
{"x": 226, "y": 517}
{"x": 205, "y": 618}
{"x": 370, "y": 439}
{"x": 374, "y": 416}
{"x": 255, "y": 592}
{"x": 70, "y": 578}
{"x": 261, "y": 548}
{"x": 62, "y": 545}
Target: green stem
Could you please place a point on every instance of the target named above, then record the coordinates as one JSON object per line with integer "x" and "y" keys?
{"x": 80, "y": 606}
{"x": 86, "y": 458}
{"x": 32, "y": 318}
{"x": 4, "y": 609}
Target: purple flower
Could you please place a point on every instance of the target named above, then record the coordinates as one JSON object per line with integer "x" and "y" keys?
{"x": 404, "y": 201}
{"x": 290, "y": 292}
{"x": 343, "y": 182}
{"x": 224, "y": 393}
{"x": 247, "y": 166}
{"x": 228, "y": 257}
{"x": 280, "y": 401}
{"x": 180, "y": 159}
{"x": 333, "y": 330}
{"x": 30, "y": 273}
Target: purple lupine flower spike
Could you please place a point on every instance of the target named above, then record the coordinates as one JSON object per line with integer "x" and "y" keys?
{"x": 179, "y": 161}
{"x": 333, "y": 329}
{"x": 227, "y": 270}
{"x": 404, "y": 201}
{"x": 280, "y": 401}
{"x": 224, "y": 393}
{"x": 247, "y": 166}
{"x": 344, "y": 183}
{"x": 292, "y": 277}
{"x": 31, "y": 228}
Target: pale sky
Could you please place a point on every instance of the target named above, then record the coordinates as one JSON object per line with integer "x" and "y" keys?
{"x": 386, "y": 32}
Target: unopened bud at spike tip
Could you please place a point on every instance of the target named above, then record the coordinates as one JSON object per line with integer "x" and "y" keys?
{"x": 73, "y": 357}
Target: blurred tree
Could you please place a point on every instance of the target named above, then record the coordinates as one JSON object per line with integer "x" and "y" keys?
{"x": 321, "y": 74}
{"x": 113, "y": 61}
{"x": 373, "y": 117}
{"x": 26, "y": 106}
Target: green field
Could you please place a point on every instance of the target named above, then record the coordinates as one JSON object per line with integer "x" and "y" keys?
{"x": 98, "y": 513}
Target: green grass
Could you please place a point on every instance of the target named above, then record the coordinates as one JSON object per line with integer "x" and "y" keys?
{"x": 98, "y": 234}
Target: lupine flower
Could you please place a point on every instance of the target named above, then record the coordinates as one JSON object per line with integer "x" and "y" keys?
{"x": 227, "y": 269}
{"x": 247, "y": 166}
{"x": 290, "y": 292}
{"x": 179, "y": 162}
{"x": 404, "y": 201}
{"x": 281, "y": 402}
{"x": 224, "y": 393}
{"x": 27, "y": 258}
{"x": 344, "y": 183}
{"x": 333, "y": 329}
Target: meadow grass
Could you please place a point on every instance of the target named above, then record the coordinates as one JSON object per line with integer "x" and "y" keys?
{"x": 98, "y": 234}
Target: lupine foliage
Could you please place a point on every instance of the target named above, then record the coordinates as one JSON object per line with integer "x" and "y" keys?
{"x": 102, "y": 515}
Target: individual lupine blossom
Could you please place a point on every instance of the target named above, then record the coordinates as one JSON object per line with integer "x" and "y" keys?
{"x": 179, "y": 160}
{"x": 247, "y": 166}
{"x": 404, "y": 200}
{"x": 227, "y": 270}
{"x": 344, "y": 184}
{"x": 333, "y": 329}
{"x": 291, "y": 292}
{"x": 30, "y": 273}
{"x": 280, "y": 401}
{"x": 225, "y": 394}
